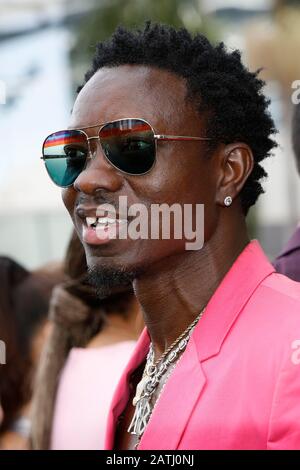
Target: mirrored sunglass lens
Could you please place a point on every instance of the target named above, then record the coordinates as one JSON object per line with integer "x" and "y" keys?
{"x": 65, "y": 154}
{"x": 129, "y": 145}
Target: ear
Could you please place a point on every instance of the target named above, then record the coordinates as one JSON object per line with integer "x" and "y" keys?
{"x": 236, "y": 164}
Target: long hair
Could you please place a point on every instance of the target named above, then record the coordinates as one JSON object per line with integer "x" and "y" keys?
{"x": 77, "y": 315}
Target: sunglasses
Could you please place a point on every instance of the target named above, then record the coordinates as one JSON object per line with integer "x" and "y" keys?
{"x": 129, "y": 145}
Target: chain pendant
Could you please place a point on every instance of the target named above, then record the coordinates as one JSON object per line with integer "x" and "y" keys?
{"x": 151, "y": 378}
{"x": 141, "y": 417}
{"x": 140, "y": 389}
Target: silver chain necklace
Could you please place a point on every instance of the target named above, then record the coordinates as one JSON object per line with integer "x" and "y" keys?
{"x": 152, "y": 374}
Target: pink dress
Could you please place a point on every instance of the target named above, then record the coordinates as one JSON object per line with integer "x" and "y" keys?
{"x": 86, "y": 387}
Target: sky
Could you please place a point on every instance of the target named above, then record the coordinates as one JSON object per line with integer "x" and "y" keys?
{"x": 211, "y": 5}
{"x": 38, "y": 88}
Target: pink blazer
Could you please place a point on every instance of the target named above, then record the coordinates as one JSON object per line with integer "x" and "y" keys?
{"x": 237, "y": 385}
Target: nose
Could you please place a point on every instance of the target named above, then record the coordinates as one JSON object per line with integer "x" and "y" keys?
{"x": 98, "y": 174}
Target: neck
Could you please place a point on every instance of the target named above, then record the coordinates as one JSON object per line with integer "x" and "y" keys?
{"x": 183, "y": 285}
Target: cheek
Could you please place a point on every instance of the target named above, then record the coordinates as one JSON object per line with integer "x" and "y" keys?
{"x": 181, "y": 178}
{"x": 186, "y": 180}
{"x": 69, "y": 196}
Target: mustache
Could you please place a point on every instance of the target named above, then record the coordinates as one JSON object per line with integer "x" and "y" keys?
{"x": 98, "y": 199}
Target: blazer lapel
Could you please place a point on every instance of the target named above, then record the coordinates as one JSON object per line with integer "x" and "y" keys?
{"x": 247, "y": 273}
{"x": 121, "y": 395}
{"x": 175, "y": 405}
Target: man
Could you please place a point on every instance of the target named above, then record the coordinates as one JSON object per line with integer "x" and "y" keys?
{"x": 288, "y": 262}
{"x": 217, "y": 366}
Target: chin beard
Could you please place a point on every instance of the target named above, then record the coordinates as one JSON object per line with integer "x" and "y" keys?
{"x": 108, "y": 280}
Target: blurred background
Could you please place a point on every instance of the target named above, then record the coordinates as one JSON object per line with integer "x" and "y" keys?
{"x": 46, "y": 47}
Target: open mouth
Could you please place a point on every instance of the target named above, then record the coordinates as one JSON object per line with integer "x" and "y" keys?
{"x": 103, "y": 222}
{"x": 99, "y": 225}
{"x": 100, "y": 230}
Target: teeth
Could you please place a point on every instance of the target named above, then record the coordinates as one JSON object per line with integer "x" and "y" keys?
{"x": 94, "y": 221}
{"x": 106, "y": 221}
{"x": 91, "y": 221}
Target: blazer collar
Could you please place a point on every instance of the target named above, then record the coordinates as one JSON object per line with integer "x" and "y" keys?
{"x": 246, "y": 274}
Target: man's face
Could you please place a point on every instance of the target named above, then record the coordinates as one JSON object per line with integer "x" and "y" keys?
{"x": 182, "y": 173}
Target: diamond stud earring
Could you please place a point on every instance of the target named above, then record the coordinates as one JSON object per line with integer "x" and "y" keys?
{"x": 228, "y": 201}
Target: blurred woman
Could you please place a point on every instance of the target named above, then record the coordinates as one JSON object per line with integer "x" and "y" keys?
{"x": 24, "y": 303}
{"x": 90, "y": 343}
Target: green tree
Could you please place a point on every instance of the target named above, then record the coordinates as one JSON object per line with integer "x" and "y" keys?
{"x": 102, "y": 21}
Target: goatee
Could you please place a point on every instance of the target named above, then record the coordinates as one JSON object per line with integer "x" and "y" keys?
{"x": 108, "y": 281}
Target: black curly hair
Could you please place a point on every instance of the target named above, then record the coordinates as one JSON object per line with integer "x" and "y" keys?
{"x": 216, "y": 80}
